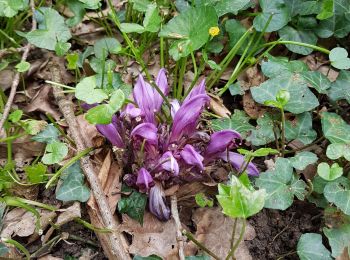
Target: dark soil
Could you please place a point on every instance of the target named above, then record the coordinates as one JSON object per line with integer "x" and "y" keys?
{"x": 278, "y": 232}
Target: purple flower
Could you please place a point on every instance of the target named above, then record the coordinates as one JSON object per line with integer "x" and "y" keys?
{"x": 147, "y": 131}
{"x": 144, "y": 180}
{"x": 175, "y": 106}
{"x": 169, "y": 163}
{"x": 110, "y": 132}
{"x": 157, "y": 204}
{"x": 131, "y": 111}
{"x": 237, "y": 161}
{"x": 220, "y": 141}
{"x": 197, "y": 90}
{"x": 192, "y": 157}
{"x": 162, "y": 83}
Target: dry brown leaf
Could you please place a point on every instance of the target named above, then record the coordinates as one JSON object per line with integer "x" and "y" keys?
{"x": 250, "y": 77}
{"x": 89, "y": 130}
{"x": 49, "y": 257}
{"x": 211, "y": 225}
{"x": 218, "y": 107}
{"x": 253, "y": 109}
{"x": 154, "y": 237}
{"x": 69, "y": 214}
{"x": 6, "y": 78}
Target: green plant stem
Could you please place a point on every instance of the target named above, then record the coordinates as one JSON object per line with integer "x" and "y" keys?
{"x": 179, "y": 90}
{"x": 52, "y": 120}
{"x": 235, "y": 246}
{"x": 161, "y": 52}
{"x": 69, "y": 163}
{"x": 175, "y": 73}
{"x": 18, "y": 246}
{"x": 317, "y": 48}
{"x": 92, "y": 227}
{"x": 59, "y": 84}
{"x": 283, "y": 134}
{"x": 233, "y": 232}
{"x": 10, "y": 38}
{"x": 200, "y": 245}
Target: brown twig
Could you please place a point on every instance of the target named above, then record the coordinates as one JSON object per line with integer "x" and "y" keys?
{"x": 15, "y": 81}
{"x": 115, "y": 240}
{"x": 11, "y": 50}
{"x": 175, "y": 214}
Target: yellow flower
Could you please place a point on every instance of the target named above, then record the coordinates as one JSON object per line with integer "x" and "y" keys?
{"x": 213, "y": 31}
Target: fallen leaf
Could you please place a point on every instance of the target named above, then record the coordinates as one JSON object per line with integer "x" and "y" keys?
{"x": 154, "y": 237}
{"x": 69, "y": 214}
{"x": 90, "y": 133}
{"x": 49, "y": 257}
{"x": 213, "y": 224}
{"x": 250, "y": 77}
{"x": 6, "y": 78}
{"x": 218, "y": 107}
{"x": 253, "y": 109}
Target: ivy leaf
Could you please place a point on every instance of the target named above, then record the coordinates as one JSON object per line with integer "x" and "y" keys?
{"x": 301, "y": 160}
{"x": 3, "y": 249}
{"x": 73, "y": 187}
{"x": 339, "y": 239}
{"x": 329, "y": 173}
{"x": 339, "y": 58}
{"x": 87, "y": 91}
{"x": 310, "y": 247}
{"x": 54, "y": 152}
{"x": 10, "y": 8}
{"x": 276, "y": 66}
{"x": 338, "y": 192}
{"x": 289, "y": 33}
{"x": 334, "y": 128}
{"x": 52, "y": 29}
{"x": 317, "y": 81}
{"x": 340, "y": 88}
{"x": 239, "y": 121}
{"x": 281, "y": 185}
{"x": 23, "y": 66}
{"x": 105, "y": 46}
{"x": 78, "y": 9}
{"x": 301, "y": 98}
{"x": 36, "y": 173}
{"x": 302, "y": 7}
{"x": 228, "y": 6}
{"x": 300, "y": 129}
{"x": 335, "y": 151}
{"x": 133, "y": 205}
{"x": 278, "y": 10}
{"x": 263, "y": 133}
{"x": 48, "y": 135}
{"x": 197, "y": 257}
{"x": 238, "y": 201}
{"x": 190, "y": 29}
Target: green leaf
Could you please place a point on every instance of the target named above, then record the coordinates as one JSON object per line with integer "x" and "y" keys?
{"x": 301, "y": 98}
{"x": 278, "y": 10}
{"x": 73, "y": 59}
{"x": 338, "y": 192}
{"x": 237, "y": 201}
{"x": 310, "y": 247}
{"x": 78, "y": 9}
{"x": 339, "y": 239}
{"x": 52, "y": 29}
{"x": 300, "y": 128}
{"x": 329, "y": 173}
{"x": 131, "y": 27}
{"x": 202, "y": 200}
{"x": 91, "y": 4}
{"x": 3, "y": 249}
{"x": 228, "y": 6}
{"x": 152, "y": 20}
{"x": 73, "y": 187}
{"x": 190, "y": 29}
{"x": 197, "y": 257}
{"x": 61, "y": 48}
{"x": 263, "y": 133}
{"x": 15, "y": 116}
{"x": 33, "y": 127}
{"x": 334, "y": 128}
{"x": 117, "y": 100}
{"x": 54, "y": 152}
{"x": 48, "y": 135}
{"x": 133, "y": 205}
{"x": 302, "y": 159}
{"x": 289, "y": 33}
{"x": 340, "y": 88}
{"x": 326, "y": 10}
{"x": 10, "y": 8}
{"x": 339, "y": 58}
{"x": 335, "y": 151}
{"x": 105, "y": 46}
{"x": 239, "y": 121}
{"x": 23, "y": 66}
{"x": 102, "y": 66}
{"x": 140, "y": 5}
{"x": 87, "y": 91}
{"x": 151, "y": 257}
{"x": 36, "y": 173}
{"x": 276, "y": 66}
{"x": 302, "y": 7}
{"x": 281, "y": 186}
{"x": 316, "y": 80}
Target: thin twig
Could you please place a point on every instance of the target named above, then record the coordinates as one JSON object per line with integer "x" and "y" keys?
{"x": 16, "y": 78}
{"x": 11, "y": 50}
{"x": 175, "y": 214}
{"x": 66, "y": 106}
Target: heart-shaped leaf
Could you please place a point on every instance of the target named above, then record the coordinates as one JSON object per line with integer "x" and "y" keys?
{"x": 301, "y": 160}
{"x": 317, "y": 80}
{"x": 107, "y": 45}
{"x": 339, "y": 58}
{"x": 55, "y": 152}
{"x": 10, "y": 8}
{"x": 134, "y": 205}
{"x": 340, "y": 88}
{"x": 87, "y": 91}
{"x": 36, "y": 173}
{"x": 338, "y": 192}
{"x": 310, "y": 247}
{"x": 300, "y": 128}
{"x": 48, "y": 135}
{"x": 339, "y": 239}
{"x": 329, "y": 173}
{"x": 334, "y": 128}
{"x": 335, "y": 151}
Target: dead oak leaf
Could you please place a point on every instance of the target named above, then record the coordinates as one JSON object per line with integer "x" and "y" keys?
{"x": 154, "y": 237}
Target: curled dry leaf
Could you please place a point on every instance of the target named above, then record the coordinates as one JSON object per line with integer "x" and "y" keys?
{"x": 211, "y": 225}
{"x": 154, "y": 237}
{"x": 218, "y": 107}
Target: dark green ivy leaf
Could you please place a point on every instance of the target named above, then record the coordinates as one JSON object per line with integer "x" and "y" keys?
{"x": 134, "y": 205}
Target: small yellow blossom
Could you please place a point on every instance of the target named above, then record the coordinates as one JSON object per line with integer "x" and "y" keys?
{"x": 213, "y": 31}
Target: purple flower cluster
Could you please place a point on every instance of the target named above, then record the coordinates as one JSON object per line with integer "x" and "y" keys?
{"x": 162, "y": 153}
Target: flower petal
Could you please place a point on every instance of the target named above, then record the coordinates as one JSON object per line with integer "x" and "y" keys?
{"x": 192, "y": 157}
{"x": 169, "y": 163}
{"x": 131, "y": 111}
{"x": 162, "y": 83}
{"x": 146, "y": 131}
{"x": 197, "y": 90}
{"x": 157, "y": 204}
{"x": 175, "y": 106}
{"x": 144, "y": 97}
{"x": 110, "y": 132}
{"x": 220, "y": 141}
{"x": 237, "y": 161}
{"x": 144, "y": 180}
